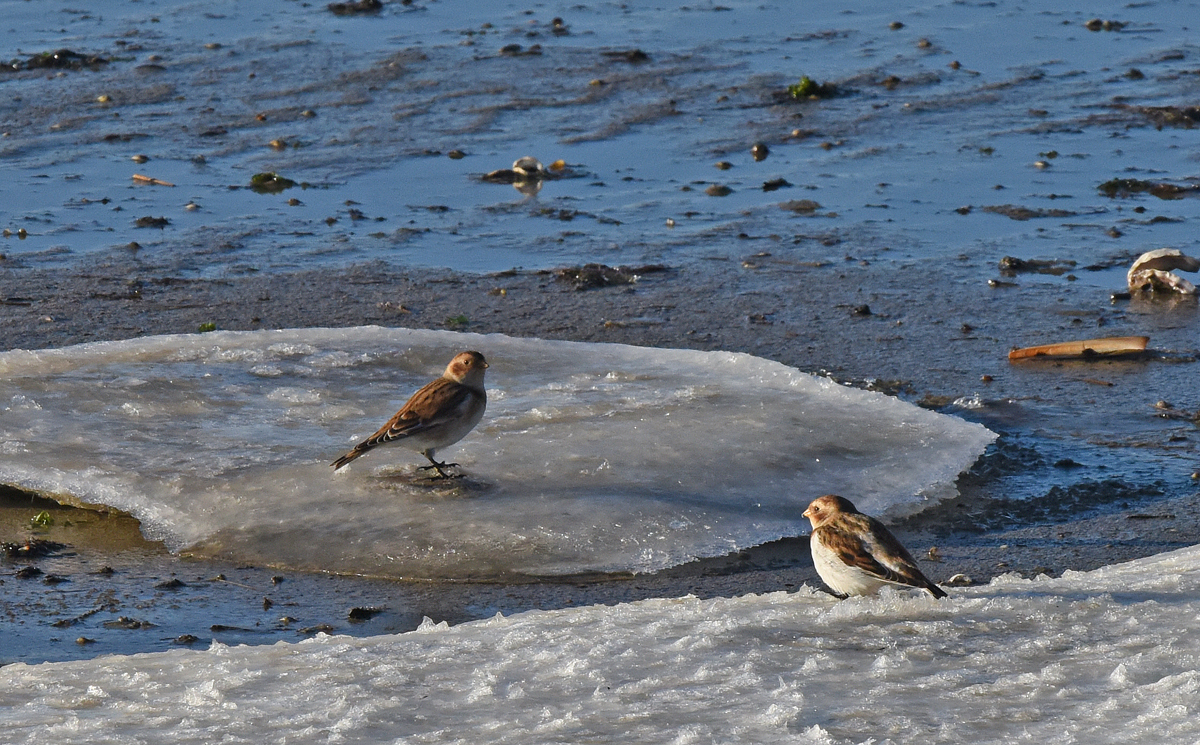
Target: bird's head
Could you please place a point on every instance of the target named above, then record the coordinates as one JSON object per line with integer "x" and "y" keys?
{"x": 467, "y": 368}
{"x": 823, "y": 509}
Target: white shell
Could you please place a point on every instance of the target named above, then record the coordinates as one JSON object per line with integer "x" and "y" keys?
{"x": 1153, "y": 271}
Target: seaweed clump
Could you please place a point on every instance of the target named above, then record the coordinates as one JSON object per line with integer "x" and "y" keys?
{"x": 809, "y": 88}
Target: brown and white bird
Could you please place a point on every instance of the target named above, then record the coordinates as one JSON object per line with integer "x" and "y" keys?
{"x": 437, "y": 416}
{"x": 855, "y": 554}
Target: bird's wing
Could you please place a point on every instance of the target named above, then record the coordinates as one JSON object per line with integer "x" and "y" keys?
{"x": 437, "y": 403}
{"x": 896, "y": 563}
{"x": 854, "y": 551}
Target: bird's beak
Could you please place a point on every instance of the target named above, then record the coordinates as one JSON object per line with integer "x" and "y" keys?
{"x": 807, "y": 513}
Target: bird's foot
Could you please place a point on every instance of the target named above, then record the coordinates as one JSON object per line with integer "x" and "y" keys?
{"x": 441, "y": 474}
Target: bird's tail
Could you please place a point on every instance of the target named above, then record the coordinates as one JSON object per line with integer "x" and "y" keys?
{"x": 934, "y": 590}
{"x": 356, "y": 452}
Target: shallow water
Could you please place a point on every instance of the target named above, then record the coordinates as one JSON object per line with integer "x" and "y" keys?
{"x": 367, "y": 109}
{"x": 591, "y": 458}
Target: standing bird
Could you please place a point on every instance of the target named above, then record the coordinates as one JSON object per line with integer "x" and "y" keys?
{"x": 855, "y": 554}
{"x": 437, "y": 416}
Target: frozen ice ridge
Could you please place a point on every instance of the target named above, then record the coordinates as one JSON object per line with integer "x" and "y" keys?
{"x": 1109, "y": 656}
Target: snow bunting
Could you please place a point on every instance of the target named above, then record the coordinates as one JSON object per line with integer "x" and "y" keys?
{"x": 437, "y": 416}
{"x": 855, "y": 554}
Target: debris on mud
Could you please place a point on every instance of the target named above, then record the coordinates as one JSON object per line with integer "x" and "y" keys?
{"x": 1170, "y": 116}
{"x": 591, "y": 276}
{"x": 632, "y": 56}
{"x": 800, "y": 206}
{"x": 270, "y": 183}
{"x": 1011, "y": 266}
{"x": 1016, "y": 212}
{"x": 62, "y": 59}
{"x": 1123, "y": 187}
{"x": 125, "y": 622}
{"x": 32, "y": 548}
{"x": 364, "y": 613}
{"x": 361, "y": 7}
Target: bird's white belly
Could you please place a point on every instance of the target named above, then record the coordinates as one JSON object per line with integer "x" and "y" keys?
{"x": 841, "y": 577}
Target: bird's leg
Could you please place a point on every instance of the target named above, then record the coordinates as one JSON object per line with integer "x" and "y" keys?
{"x": 438, "y": 467}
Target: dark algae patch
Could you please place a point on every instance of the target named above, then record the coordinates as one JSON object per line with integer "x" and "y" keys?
{"x": 1017, "y": 212}
{"x": 62, "y": 59}
{"x": 362, "y": 7}
{"x": 1124, "y": 187}
{"x": 270, "y": 183}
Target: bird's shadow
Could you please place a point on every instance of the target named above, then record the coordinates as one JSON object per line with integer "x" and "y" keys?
{"x": 418, "y": 482}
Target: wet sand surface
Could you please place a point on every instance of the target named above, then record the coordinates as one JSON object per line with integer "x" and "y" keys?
{"x": 927, "y": 337}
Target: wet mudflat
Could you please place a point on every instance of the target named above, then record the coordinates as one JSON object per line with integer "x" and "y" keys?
{"x": 869, "y": 243}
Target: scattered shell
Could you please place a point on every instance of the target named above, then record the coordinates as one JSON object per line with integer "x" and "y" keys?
{"x": 759, "y": 151}
{"x": 1152, "y": 272}
{"x": 959, "y": 580}
{"x": 140, "y": 158}
{"x": 1087, "y": 349}
{"x": 723, "y": 165}
{"x": 718, "y": 190}
{"x": 528, "y": 167}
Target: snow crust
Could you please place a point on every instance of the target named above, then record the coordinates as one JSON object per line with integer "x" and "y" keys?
{"x": 591, "y": 457}
{"x": 1109, "y": 656}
